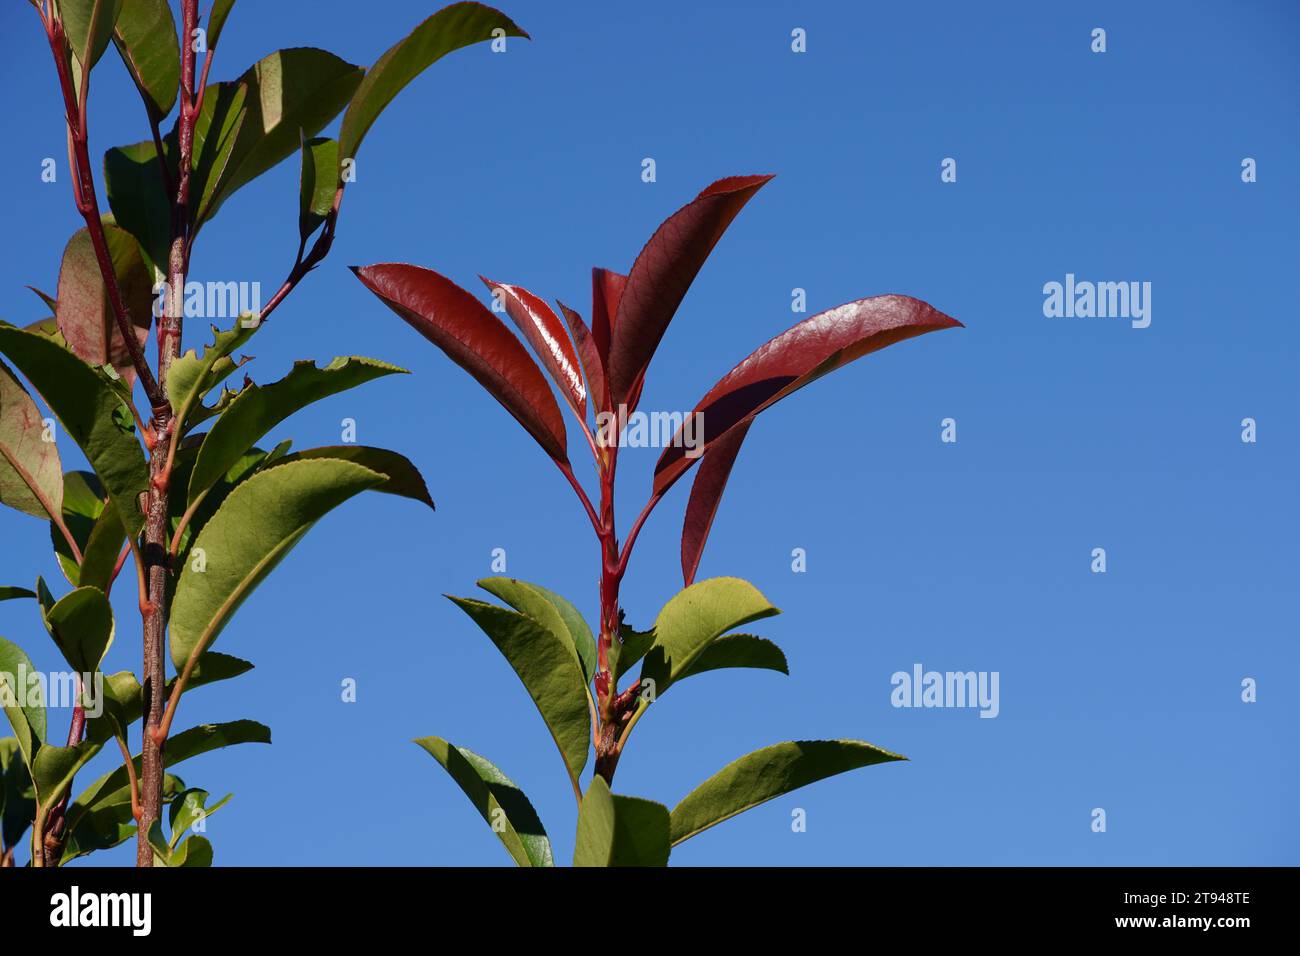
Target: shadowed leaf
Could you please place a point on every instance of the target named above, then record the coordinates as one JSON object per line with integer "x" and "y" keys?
{"x": 81, "y": 624}
{"x": 614, "y": 830}
{"x": 766, "y": 774}
{"x": 259, "y": 408}
{"x": 146, "y": 39}
{"x": 498, "y": 801}
{"x": 738, "y": 650}
{"x": 662, "y": 273}
{"x": 402, "y": 477}
{"x": 317, "y": 184}
{"x": 451, "y": 28}
{"x": 91, "y": 413}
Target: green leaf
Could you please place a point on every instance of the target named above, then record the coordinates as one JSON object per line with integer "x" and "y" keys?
{"x": 594, "y": 845}
{"x": 83, "y": 506}
{"x": 498, "y": 801}
{"x": 31, "y": 478}
{"x": 614, "y": 830}
{"x": 211, "y": 668}
{"x": 256, "y": 526}
{"x": 188, "y": 809}
{"x": 101, "y": 550}
{"x": 451, "y": 28}
{"x": 249, "y": 464}
{"x": 89, "y": 26}
{"x": 13, "y": 594}
{"x": 317, "y": 184}
{"x": 226, "y": 110}
{"x": 738, "y": 650}
{"x": 403, "y": 478}
{"x": 81, "y": 624}
{"x": 110, "y": 824}
{"x": 146, "y": 39}
{"x": 23, "y": 703}
{"x": 554, "y": 612}
{"x": 259, "y": 408}
{"x": 192, "y": 376}
{"x": 138, "y": 198}
{"x": 89, "y": 409}
{"x": 692, "y": 620}
{"x": 549, "y": 671}
{"x": 196, "y": 851}
{"x": 292, "y": 93}
{"x": 49, "y": 300}
{"x": 766, "y": 774}
{"x": 54, "y": 769}
{"x": 217, "y": 20}
{"x": 17, "y": 797}
{"x": 629, "y": 650}
{"x": 114, "y": 785}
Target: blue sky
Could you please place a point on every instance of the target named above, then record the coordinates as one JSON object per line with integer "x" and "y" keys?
{"x": 1118, "y": 690}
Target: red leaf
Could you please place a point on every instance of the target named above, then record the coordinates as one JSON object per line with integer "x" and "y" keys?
{"x": 663, "y": 272}
{"x": 591, "y": 364}
{"x": 545, "y": 333}
{"x": 606, "y": 293}
{"x": 474, "y": 339}
{"x": 706, "y": 495}
{"x": 802, "y": 354}
{"x": 82, "y": 310}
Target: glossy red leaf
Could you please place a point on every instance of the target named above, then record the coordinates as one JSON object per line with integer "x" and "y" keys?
{"x": 662, "y": 273}
{"x": 587, "y": 354}
{"x": 801, "y": 354}
{"x": 706, "y": 495}
{"x": 474, "y": 339}
{"x": 545, "y": 333}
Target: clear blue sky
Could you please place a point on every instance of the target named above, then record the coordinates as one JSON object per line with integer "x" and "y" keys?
{"x": 1119, "y": 691}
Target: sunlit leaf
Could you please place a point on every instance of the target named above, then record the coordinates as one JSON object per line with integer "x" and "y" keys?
{"x": 692, "y": 620}
{"x": 259, "y": 523}
{"x": 548, "y": 669}
{"x": 474, "y": 339}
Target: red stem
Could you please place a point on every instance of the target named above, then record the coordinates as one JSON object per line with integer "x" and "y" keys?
{"x": 83, "y": 185}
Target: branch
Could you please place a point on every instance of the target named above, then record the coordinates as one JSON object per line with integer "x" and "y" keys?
{"x": 83, "y": 185}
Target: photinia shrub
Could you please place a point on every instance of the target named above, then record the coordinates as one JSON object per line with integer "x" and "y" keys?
{"x": 177, "y": 489}
{"x": 574, "y": 677}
